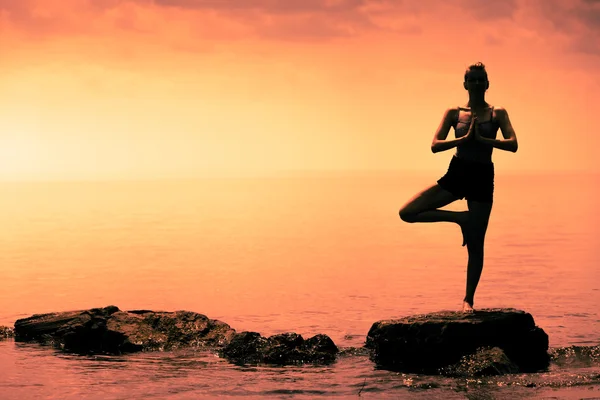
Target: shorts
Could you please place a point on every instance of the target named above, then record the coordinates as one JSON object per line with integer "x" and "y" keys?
{"x": 470, "y": 180}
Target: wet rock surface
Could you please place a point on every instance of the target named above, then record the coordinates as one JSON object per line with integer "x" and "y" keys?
{"x": 112, "y": 331}
{"x": 109, "y": 330}
{"x": 486, "y": 342}
{"x": 484, "y": 362}
{"x": 283, "y": 349}
{"x": 6, "y": 332}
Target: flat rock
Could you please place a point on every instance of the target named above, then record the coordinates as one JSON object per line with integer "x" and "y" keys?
{"x": 436, "y": 342}
{"x": 281, "y": 349}
{"x": 112, "y": 331}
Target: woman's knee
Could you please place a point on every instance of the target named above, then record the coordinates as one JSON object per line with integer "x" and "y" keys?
{"x": 475, "y": 246}
{"x": 407, "y": 214}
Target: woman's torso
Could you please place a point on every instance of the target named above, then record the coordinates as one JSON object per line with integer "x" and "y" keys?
{"x": 488, "y": 127}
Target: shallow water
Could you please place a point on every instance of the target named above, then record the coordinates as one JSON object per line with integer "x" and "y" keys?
{"x": 32, "y": 371}
{"x": 324, "y": 254}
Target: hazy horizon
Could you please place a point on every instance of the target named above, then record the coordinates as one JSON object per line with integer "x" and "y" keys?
{"x": 291, "y": 174}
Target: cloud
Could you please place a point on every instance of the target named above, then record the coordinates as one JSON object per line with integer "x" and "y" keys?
{"x": 16, "y": 11}
{"x": 573, "y": 25}
{"x": 287, "y": 19}
{"x": 577, "y": 23}
{"x": 490, "y": 11}
{"x": 493, "y": 40}
{"x": 269, "y": 6}
{"x": 37, "y": 18}
{"x": 270, "y": 19}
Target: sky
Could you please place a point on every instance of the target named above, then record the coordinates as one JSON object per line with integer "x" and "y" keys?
{"x": 111, "y": 89}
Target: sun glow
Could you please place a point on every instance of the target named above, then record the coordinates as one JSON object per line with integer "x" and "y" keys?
{"x": 19, "y": 152}
{"x": 106, "y": 90}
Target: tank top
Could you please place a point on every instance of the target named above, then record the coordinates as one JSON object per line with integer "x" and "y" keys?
{"x": 473, "y": 150}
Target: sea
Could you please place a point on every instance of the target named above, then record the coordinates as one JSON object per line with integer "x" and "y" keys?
{"x": 306, "y": 253}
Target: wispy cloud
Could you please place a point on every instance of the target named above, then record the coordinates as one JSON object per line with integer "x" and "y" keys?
{"x": 571, "y": 24}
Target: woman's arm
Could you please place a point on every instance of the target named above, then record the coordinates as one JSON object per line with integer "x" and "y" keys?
{"x": 509, "y": 143}
{"x": 443, "y": 145}
{"x": 439, "y": 142}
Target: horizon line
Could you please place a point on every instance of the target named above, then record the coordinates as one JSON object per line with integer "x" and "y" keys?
{"x": 287, "y": 173}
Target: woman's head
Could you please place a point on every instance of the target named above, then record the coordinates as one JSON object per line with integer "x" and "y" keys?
{"x": 476, "y": 79}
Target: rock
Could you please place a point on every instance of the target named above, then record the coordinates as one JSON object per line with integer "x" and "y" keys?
{"x": 429, "y": 343}
{"x": 281, "y": 349}
{"x": 484, "y": 362}
{"x": 6, "y": 332}
{"x": 112, "y": 331}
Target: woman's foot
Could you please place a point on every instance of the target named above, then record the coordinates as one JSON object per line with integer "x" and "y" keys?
{"x": 467, "y": 307}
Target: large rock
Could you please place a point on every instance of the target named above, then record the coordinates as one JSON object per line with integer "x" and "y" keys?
{"x": 283, "y": 349}
{"x": 110, "y": 330}
{"x": 439, "y": 342}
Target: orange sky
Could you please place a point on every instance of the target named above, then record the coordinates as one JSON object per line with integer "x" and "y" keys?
{"x": 176, "y": 88}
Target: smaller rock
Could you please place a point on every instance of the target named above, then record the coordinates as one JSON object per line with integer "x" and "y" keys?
{"x": 245, "y": 348}
{"x": 321, "y": 346}
{"x": 281, "y": 349}
{"x": 6, "y": 332}
{"x": 484, "y": 362}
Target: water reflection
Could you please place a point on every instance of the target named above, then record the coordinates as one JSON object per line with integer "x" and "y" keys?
{"x": 30, "y": 369}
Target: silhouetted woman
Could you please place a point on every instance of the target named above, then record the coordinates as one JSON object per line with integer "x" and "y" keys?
{"x": 470, "y": 174}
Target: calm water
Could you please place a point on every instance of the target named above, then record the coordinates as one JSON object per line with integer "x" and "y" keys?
{"x": 311, "y": 255}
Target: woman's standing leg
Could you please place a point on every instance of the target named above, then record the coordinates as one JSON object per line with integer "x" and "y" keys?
{"x": 479, "y": 215}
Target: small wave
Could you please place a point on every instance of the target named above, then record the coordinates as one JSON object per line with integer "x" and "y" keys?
{"x": 576, "y": 356}
{"x": 353, "y": 351}
{"x": 295, "y": 391}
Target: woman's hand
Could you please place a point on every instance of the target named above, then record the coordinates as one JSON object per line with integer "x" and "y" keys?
{"x": 477, "y": 134}
{"x": 473, "y": 129}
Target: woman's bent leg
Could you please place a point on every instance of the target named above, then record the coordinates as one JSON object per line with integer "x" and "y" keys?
{"x": 423, "y": 206}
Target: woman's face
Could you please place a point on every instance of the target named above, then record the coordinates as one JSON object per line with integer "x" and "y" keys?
{"x": 476, "y": 82}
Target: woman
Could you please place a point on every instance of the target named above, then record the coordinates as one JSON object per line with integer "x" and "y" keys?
{"x": 470, "y": 174}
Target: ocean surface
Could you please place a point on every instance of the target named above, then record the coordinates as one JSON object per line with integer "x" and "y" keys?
{"x": 307, "y": 254}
